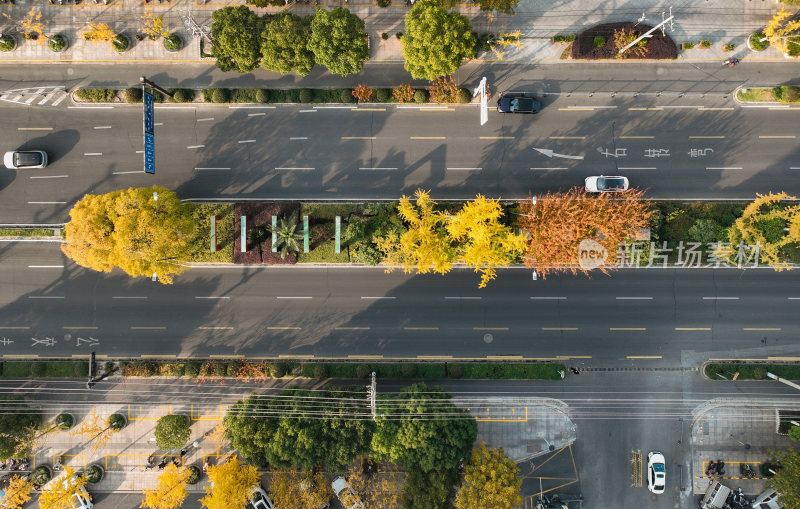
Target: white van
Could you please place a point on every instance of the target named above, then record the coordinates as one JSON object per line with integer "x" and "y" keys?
{"x": 715, "y": 496}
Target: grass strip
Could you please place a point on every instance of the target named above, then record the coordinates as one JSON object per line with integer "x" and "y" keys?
{"x": 547, "y": 371}
{"x": 26, "y": 232}
{"x": 40, "y": 369}
{"x": 717, "y": 371}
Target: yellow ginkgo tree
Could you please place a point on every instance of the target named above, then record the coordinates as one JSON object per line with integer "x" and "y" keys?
{"x": 18, "y": 491}
{"x": 99, "y": 32}
{"x": 771, "y": 222}
{"x": 57, "y": 493}
{"x": 782, "y": 26}
{"x": 171, "y": 490}
{"x": 231, "y": 484}
{"x": 490, "y": 480}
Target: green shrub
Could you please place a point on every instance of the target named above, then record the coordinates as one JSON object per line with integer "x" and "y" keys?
{"x": 320, "y": 371}
{"x": 347, "y": 95}
{"x": 383, "y": 3}
{"x": 420, "y": 96}
{"x": 277, "y": 369}
{"x": 116, "y": 421}
{"x": 191, "y": 369}
{"x": 182, "y": 95}
{"x": 409, "y": 370}
{"x": 729, "y": 47}
{"x": 64, "y": 421}
{"x": 262, "y": 95}
{"x": 194, "y": 474}
{"x": 382, "y": 95}
{"x": 120, "y": 43}
{"x": 97, "y": 95}
{"x": 767, "y": 468}
{"x": 777, "y": 93}
{"x": 564, "y": 38}
{"x": 173, "y": 42}
{"x": 599, "y": 41}
{"x": 687, "y": 45}
{"x": 80, "y": 369}
{"x": 172, "y": 369}
{"x": 704, "y": 231}
{"x": 93, "y": 474}
{"x": 705, "y": 44}
{"x": 172, "y": 431}
{"x": 233, "y": 368}
{"x": 108, "y": 366}
{"x": 220, "y": 368}
{"x": 305, "y": 95}
{"x": 384, "y": 35}
{"x": 220, "y": 95}
{"x": 756, "y": 43}
{"x": 455, "y": 371}
{"x": 399, "y": 35}
{"x": 363, "y": 371}
{"x": 7, "y": 43}
{"x": 38, "y": 369}
{"x": 133, "y": 95}
{"x": 464, "y": 96}
{"x": 57, "y": 43}
{"x": 41, "y": 475}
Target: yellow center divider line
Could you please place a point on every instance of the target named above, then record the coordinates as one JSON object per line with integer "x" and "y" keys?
{"x": 367, "y": 109}
{"x": 627, "y": 328}
{"x": 14, "y": 328}
{"x": 434, "y": 356}
{"x": 358, "y": 137}
{"x": 497, "y": 137}
{"x": 133, "y": 327}
{"x": 225, "y": 356}
{"x": 645, "y": 109}
{"x": 761, "y": 328}
{"x": 78, "y": 327}
{"x": 576, "y": 109}
{"x": 351, "y": 328}
{"x": 559, "y": 328}
{"x": 706, "y": 137}
{"x": 145, "y": 356}
{"x": 506, "y": 357}
{"x": 34, "y": 128}
{"x": 490, "y": 328}
{"x": 703, "y": 108}
{"x": 295, "y": 356}
{"x": 365, "y": 356}
{"x": 637, "y": 137}
{"x": 283, "y": 328}
{"x": 782, "y": 109}
{"x": 692, "y": 328}
{"x": 428, "y": 137}
{"x": 567, "y": 357}
{"x": 643, "y": 357}
{"x": 215, "y": 328}
{"x": 788, "y": 137}
{"x": 420, "y": 328}
{"x": 567, "y": 137}
{"x": 20, "y": 356}
{"x": 795, "y": 359}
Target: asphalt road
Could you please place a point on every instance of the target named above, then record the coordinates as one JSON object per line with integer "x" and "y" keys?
{"x": 674, "y": 147}
{"x": 49, "y": 306}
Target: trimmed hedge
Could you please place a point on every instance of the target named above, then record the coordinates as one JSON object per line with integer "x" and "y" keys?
{"x": 97, "y": 95}
{"x": 42, "y": 369}
{"x": 434, "y": 370}
{"x": 751, "y": 371}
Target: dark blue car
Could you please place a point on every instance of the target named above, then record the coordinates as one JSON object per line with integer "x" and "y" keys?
{"x": 518, "y": 102}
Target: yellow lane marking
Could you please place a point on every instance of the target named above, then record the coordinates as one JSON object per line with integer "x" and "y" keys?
{"x": 497, "y": 137}
{"x": 283, "y": 328}
{"x": 358, "y": 137}
{"x": 34, "y": 128}
{"x": 428, "y": 137}
{"x": 706, "y": 137}
{"x": 627, "y": 328}
{"x": 637, "y": 137}
{"x": 351, "y": 328}
{"x": 14, "y": 328}
{"x": 215, "y": 328}
{"x": 576, "y": 109}
{"x": 490, "y": 328}
{"x": 789, "y": 137}
{"x": 147, "y": 328}
{"x": 567, "y": 137}
{"x": 761, "y": 328}
{"x": 77, "y": 327}
{"x": 295, "y": 356}
{"x": 20, "y": 356}
{"x": 559, "y": 328}
{"x": 783, "y": 359}
{"x": 506, "y": 357}
{"x": 420, "y": 328}
{"x": 434, "y": 356}
{"x": 367, "y": 109}
{"x": 567, "y": 357}
{"x": 692, "y": 328}
{"x": 225, "y": 356}
{"x": 365, "y": 356}
{"x": 703, "y": 108}
{"x": 643, "y": 357}
{"x": 783, "y": 109}
{"x": 505, "y": 419}
{"x": 645, "y": 109}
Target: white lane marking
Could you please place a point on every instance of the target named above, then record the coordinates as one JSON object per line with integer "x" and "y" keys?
{"x": 548, "y": 298}
{"x": 377, "y": 168}
{"x": 294, "y": 168}
{"x": 50, "y": 177}
{"x": 127, "y": 297}
{"x": 195, "y": 146}
{"x": 634, "y": 298}
{"x": 720, "y": 298}
{"x": 46, "y": 202}
{"x": 724, "y": 168}
{"x": 464, "y": 169}
{"x": 299, "y": 138}
{"x": 200, "y": 169}
{"x": 45, "y": 266}
{"x": 372, "y": 298}
{"x": 45, "y": 297}
{"x": 420, "y": 107}
{"x": 594, "y": 107}
{"x": 548, "y": 169}
{"x": 247, "y": 141}
{"x": 638, "y": 168}
{"x": 335, "y": 107}
{"x": 252, "y": 107}
{"x": 255, "y": 114}
{"x": 463, "y": 298}
{"x": 212, "y": 297}
{"x": 90, "y": 107}
{"x": 308, "y": 111}
{"x": 92, "y": 153}
{"x": 102, "y": 127}
{"x": 159, "y": 123}
{"x": 793, "y": 298}
{"x": 140, "y": 151}
{"x": 794, "y": 167}
{"x": 294, "y": 297}
{"x": 205, "y": 119}
{"x": 762, "y": 106}
{"x": 126, "y": 172}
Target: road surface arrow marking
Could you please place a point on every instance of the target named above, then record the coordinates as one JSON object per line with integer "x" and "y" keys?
{"x": 551, "y": 154}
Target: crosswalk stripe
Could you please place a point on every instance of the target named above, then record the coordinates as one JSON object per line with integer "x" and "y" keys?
{"x": 63, "y": 96}
{"x": 30, "y": 99}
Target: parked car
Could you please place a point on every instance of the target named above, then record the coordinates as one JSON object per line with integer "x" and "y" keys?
{"x": 518, "y": 102}
{"x": 260, "y": 500}
{"x": 80, "y": 499}
{"x": 716, "y": 496}
{"x": 603, "y": 184}
{"x": 345, "y": 494}
{"x": 656, "y": 472}
{"x": 24, "y": 159}
{"x": 767, "y": 500}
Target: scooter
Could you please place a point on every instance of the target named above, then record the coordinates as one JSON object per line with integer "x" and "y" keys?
{"x": 57, "y": 464}
{"x": 730, "y": 62}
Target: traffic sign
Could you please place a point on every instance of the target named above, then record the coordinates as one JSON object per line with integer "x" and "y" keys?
{"x": 149, "y": 153}
{"x": 149, "y": 117}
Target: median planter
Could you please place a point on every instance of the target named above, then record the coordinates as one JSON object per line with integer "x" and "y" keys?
{"x": 116, "y": 421}
{"x": 64, "y": 421}
{"x": 94, "y": 474}
{"x": 121, "y": 43}
{"x": 41, "y": 475}
{"x": 173, "y": 42}
{"x": 58, "y": 43}
{"x": 7, "y": 42}
{"x": 194, "y": 474}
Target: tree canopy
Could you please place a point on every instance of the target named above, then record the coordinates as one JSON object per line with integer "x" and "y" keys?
{"x": 412, "y": 431}
{"x": 762, "y": 223}
{"x": 171, "y": 490}
{"x": 18, "y": 424}
{"x": 56, "y": 494}
{"x": 231, "y": 484}
{"x": 300, "y": 429}
{"x": 490, "y": 480}
{"x": 435, "y": 41}
{"x": 236, "y": 32}
{"x": 130, "y": 230}
{"x": 434, "y": 489}
{"x": 293, "y": 489}
{"x": 374, "y": 487}
{"x": 17, "y": 492}
{"x": 172, "y": 431}
{"x": 504, "y": 6}
{"x": 338, "y": 41}
{"x": 284, "y": 44}
{"x": 786, "y": 480}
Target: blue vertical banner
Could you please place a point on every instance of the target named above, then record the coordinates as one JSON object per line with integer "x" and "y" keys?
{"x": 149, "y": 133}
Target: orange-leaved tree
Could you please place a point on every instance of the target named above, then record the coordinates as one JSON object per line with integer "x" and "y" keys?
{"x": 171, "y": 490}
{"x": 558, "y": 222}
{"x": 299, "y": 489}
{"x": 485, "y": 242}
{"x": 18, "y": 491}
{"x": 58, "y": 492}
{"x": 490, "y": 480}
{"x": 231, "y": 484}
{"x": 378, "y": 488}
{"x": 762, "y": 223}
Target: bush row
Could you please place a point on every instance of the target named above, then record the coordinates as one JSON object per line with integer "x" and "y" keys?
{"x": 477, "y": 370}
{"x": 208, "y": 369}
{"x": 751, "y": 371}
{"x": 44, "y": 369}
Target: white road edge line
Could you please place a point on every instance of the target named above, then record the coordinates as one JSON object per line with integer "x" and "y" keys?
{"x": 126, "y": 172}
{"x": 50, "y": 177}
{"x": 252, "y": 107}
{"x": 45, "y": 266}
{"x": 195, "y": 146}
{"x": 294, "y": 297}
{"x": 634, "y": 298}
{"x": 373, "y": 298}
{"x": 720, "y": 298}
{"x": 548, "y": 298}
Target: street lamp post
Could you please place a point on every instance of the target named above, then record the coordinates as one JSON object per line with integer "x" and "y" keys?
{"x": 155, "y": 197}
{"x": 155, "y": 272}
{"x": 746, "y": 446}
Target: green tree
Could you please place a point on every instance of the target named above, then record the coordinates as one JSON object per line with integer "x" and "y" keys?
{"x": 18, "y": 425}
{"x": 794, "y": 433}
{"x": 490, "y": 480}
{"x": 435, "y": 41}
{"x": 432, "y": 490}
{"x": 284, "y": 45}
{"x": 423, "y": 430}
{"x": 172, "y": 431}
{"x": 300, "y": 429}
{"x": 504, "y": 6}
{"x": 338, "y": 41}
{"x": 129, "y": 229}
{"x": 287, "y": 238}
{"x": 704, "y": 231}
{"x": 237, "y": 38}
{"x": 786, "y": 480}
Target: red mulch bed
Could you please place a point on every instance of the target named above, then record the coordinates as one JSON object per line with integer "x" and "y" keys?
{"x": 659, "y": 47}
{"x": 260, "y": 214}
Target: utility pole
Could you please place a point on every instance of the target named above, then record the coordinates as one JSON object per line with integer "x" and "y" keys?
{"x": 372, "y": 393}
{"x": 647, "y": 34}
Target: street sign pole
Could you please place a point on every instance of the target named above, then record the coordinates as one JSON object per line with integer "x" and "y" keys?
{"x": 481, "y": 89}
{"x": 149, "y": 132}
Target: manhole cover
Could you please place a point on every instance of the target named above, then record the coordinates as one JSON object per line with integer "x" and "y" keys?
{"x": 488, "y": 338}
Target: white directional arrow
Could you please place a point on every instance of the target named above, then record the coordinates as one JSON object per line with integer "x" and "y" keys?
{"x": 91, "y": 341}
{"x": 549, "y": 153}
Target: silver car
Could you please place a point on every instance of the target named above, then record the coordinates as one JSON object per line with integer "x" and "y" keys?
{"x": 603, "y": 184}
{"x": 24, "y": 159}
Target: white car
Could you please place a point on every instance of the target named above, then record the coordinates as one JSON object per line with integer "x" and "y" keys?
{"x": 260, "y": 500}
{"x": 603, "y": 184}
{"x": 767, "y": 500}
{"x": 345, "y": 494}
{"x": 80, "y": 499}
{"x": 24, "y": 159}
{"x": 656, "y": 472}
